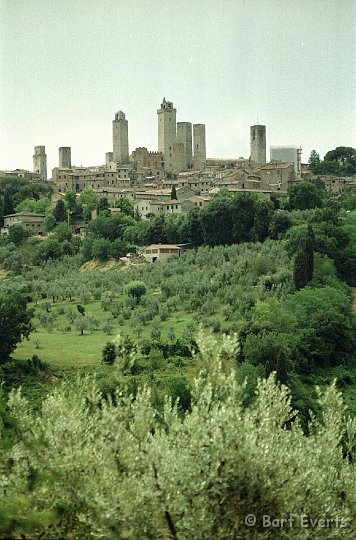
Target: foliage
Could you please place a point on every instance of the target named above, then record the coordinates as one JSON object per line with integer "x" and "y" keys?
{"x": 32, "y": 205}
{"x": 126, "y": 206}
{"x": 88, "y": 202}
{"x": 18, "y": 234}
{"x": 109, "y": 353}
{"x": 173, "y": 192}
{"x": 304, "y": 195}
{"x": 325, "y": 322}
{"x": 136, "y": 289}
{"x": 59, "y": 212}
{"x": 15, "y": 323}
{"x": 304, "y": 260}
{"x": 78, "y": 477}
{"x": 341, "y": 162}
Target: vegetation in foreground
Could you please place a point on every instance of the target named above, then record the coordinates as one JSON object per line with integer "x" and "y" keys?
{"x": 280, "y": 288}
{"x": 90, "y": 467}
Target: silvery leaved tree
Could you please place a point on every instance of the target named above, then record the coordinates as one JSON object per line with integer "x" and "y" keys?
{"x": 85, "y": 467}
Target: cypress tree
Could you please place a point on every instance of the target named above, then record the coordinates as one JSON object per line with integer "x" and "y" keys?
{"x": 300, "y": 272}
{"x": 309, "y": 252}
{"x": 174, "y": 193}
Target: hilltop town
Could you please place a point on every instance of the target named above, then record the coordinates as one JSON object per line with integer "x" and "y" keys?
{"x": 147, "y": 177}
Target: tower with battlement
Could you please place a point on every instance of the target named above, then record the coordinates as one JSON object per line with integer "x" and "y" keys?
{"x": 199, "y": 144}
{"x": 258, "y": 144}
{"x": 40, "y": 162}
{"x": 65, "y": 157}
{"x": 167, "y": 132}
{"x": 120, "y": 135}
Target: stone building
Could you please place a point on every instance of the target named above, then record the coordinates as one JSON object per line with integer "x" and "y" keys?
{"x": 21, "y": 173}
{"x": 33, "y": 221}
{"x": 258, "y": 144}
{"x": 115, "y": 193}
{"x": 120, "y": 139}
{"x": 198, "y": 183}
{"x": 167, "y": 132}
{"x": 184, "y": 136}
{"x": 147, "y": 165}
{"x": 40, "y": 162}
{"x": 199, "y": 143}
{"x": 160, "y": 252}
{"x": 276, "y": 176}
{"x": 288, "y": 154}
{"x": 148, "y": 208}
{"x": 178, "y": 158}
{"x": 65, "y": 157}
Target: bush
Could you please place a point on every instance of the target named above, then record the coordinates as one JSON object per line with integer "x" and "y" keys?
{"x": 109, "y": 353}
{"x": 136, "y": 289}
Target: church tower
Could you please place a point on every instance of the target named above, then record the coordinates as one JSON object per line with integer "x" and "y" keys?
{"x": 120, "y": 138}
{"x": 167, "y": 132}
{"x": 40, "y": 162}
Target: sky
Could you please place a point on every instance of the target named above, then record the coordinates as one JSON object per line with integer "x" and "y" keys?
{"x": 68, "y": 65}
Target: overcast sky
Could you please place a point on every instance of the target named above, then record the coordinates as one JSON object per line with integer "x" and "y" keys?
{"x": 68, "y": 65}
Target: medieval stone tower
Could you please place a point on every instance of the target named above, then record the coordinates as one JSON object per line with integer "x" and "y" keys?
{"x": 184, "y": 136}
{"x": 199, "y": 144}
{"x": 258, "y": 144}
{"x": 166, "y": 132}
{"x": 120, "y": 135}
{"x": 40, "y": 162}
{"x": 65, "y": 157}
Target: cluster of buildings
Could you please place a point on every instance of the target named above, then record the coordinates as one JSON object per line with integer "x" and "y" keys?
{"x": 147, "y": 177}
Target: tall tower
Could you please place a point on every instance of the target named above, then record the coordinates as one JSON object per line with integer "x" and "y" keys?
{"x": 258, "y": 144}
{"x": 166, "y": 132}
{"x": 109, "y": 156}
{"x": 40, "y": 162}
{"x": 120, "y": 136}
{"x": 65, "y": 157}
{"x": 184, "y": 135}
{"x": 199, "y": 144}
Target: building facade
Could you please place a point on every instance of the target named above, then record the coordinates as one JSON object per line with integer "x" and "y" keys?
{"x": 33, "y": 221}
{"x": 290, "y": 155}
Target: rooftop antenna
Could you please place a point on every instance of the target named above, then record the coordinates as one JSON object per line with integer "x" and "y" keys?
{"x": 257, "y": 120}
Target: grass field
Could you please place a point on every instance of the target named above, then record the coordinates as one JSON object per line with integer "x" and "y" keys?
{"x": 69, "y": 349}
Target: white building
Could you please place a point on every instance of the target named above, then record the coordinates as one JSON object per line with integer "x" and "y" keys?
{"x": 288, "y": 154}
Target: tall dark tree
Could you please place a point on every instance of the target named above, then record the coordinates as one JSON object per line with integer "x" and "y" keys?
{"x": 300, "y": 270}
{"x": 60, "y": 213}
{"x": 309, "y": 252}
{"x": 314, "y": 162}
{"x": 174, "y": 192}
{"x": 194, "y": 228}
{"x": 15, "y": 323}
{"x": 304, "y": 260}
{"x": 8, "y": 205}
{"x": 103, "y": 205}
